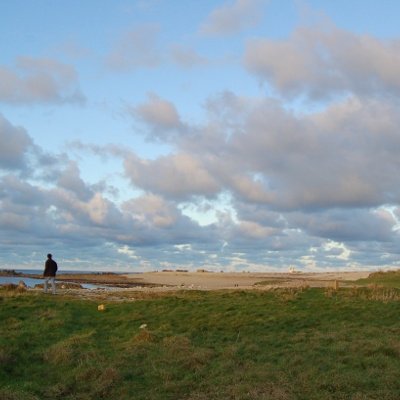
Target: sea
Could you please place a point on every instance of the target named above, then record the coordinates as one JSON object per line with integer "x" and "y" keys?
{"x": 31, "y": 282}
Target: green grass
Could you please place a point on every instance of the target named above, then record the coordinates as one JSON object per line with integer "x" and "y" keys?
{"x": 381, "y": 278}
{"x": 301, "y": 344}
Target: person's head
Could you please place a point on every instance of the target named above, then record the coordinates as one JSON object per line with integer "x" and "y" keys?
{"x": 49, "y": 255}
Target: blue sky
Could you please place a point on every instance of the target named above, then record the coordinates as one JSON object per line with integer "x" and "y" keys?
{"x": 228, "y": 135}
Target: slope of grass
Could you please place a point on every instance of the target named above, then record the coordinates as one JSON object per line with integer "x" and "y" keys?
{"x": 382, "y": 278}
{"x": 285, "y": 344}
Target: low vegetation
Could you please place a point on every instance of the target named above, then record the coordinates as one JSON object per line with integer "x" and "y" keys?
{"x": 303, "y": 344}
{"x": 382, "y": 278}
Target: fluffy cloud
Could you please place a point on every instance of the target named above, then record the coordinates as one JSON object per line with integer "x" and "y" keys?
{"x": 152, "y": 210}
{"x": 21, "y": 156}
{"x": 347, "y": 225}
{"x": 15, "y": 145}
{"x": 75, "y": 219}
{"x": 70, "y": 179}
{"x": 324, "y": 62}
{"x": 233, "y": 17}
{"x": 96, "y": 212}
{"x": 342, "y": 156}
{"x": 178, "y": 176}
{"x": 297, "y": 181}
{"x": 160, "y": 115}
{"x": 275, "y": 225}
{"x": 39, "y": 80}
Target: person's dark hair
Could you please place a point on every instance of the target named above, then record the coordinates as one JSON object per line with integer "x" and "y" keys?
{"x": 49, "y": 255}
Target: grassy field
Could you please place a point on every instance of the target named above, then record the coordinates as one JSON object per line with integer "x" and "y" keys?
{"x": 282, "y": 344}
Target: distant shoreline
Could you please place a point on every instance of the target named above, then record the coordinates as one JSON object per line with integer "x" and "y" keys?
{"x": 95, "y": 278}
{"x": 247, "y": 280}
{"x": 180, "y": 280}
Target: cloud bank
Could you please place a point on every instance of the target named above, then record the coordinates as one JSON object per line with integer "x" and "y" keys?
{"x": 304, "y": 173}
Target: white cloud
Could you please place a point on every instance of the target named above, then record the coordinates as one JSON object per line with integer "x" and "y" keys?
{"x": 346, "y": 225}
{"x": 177, "y": 176}
{"x": 128, "y": 251}
{"x": 254, "y": 230}
{"x": 160, "y": 115}
{"x": 344, "y": 156}
{"x": 70, "y": 179}
{"x": 15, "y": 144}
{"x": 39, "y": 80}
{"x": 324, "y": 62}
{"x": 152, "y": 210}
{"x": 336, "y": 250}
{"x": 233, "y": 17}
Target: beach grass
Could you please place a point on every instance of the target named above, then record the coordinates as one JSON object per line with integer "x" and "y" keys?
{"x": 304, "y": 343}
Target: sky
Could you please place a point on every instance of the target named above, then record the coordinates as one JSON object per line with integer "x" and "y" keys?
{"x": 228, "y": 135}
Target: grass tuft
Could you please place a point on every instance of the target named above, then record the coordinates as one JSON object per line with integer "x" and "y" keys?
{"x": 74, "y": 349}
{"x": 144, "y": 336}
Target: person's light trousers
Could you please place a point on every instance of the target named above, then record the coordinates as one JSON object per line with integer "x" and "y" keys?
{"x": 51, "y": 279}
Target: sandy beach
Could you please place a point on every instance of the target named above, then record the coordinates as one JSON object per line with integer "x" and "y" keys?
{"x": 170, "y": 281}
{"x": 218, "y": 280}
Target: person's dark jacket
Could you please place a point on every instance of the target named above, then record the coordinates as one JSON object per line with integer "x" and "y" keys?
{"x": 50, "y": 268}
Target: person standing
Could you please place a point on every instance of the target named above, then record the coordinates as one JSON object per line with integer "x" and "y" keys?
{"x": 49, "y": 274}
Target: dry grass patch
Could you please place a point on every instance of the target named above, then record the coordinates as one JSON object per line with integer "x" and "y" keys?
{"x": 71, "y": 350}
{"x": 179, "y": 351}
{"x": 11, "y": 290}
{"x": 374, "y": 292}
{"x": 144, "y": 336}
{"x": 290, "y": 293}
